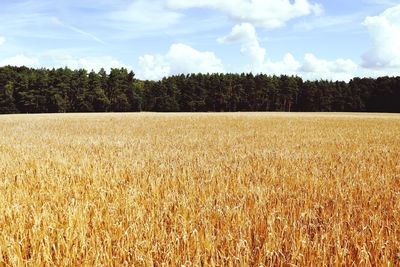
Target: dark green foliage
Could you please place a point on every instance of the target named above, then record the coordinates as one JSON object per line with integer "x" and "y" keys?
{"x": 25, "y": 90}
{"x": 7, "y": 100}
{"x": 95, "y": 94}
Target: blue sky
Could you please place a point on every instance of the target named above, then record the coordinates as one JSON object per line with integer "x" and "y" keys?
{"x": 336, "y": 39}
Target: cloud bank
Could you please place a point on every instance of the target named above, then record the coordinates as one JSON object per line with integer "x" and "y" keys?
{"x": 64, "y": 60}
{"x": 179, "y": 59}
{"x": 311, "y": 67}
{"x": 20, "y": 60}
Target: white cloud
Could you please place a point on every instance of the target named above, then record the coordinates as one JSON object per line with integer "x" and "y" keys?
{"x": 339, "y": 69}
{"x": 20, "y": 60}
{"x": 246, "y": 34}
{"x": 59, "y": 60}
{"x": 263, "y": 13}
{"x": 153, "y": 67}
{"x": 185, "y": 59}
{"x": 313, "y": 64}
{"x": 180, "y": 59}
{"x": 384, "y": 31}
{"x": 88, "y": 63}
{"x": 288, "y": 65}
{"x": 2, "y": 40}
{"x": 311, "y": 67}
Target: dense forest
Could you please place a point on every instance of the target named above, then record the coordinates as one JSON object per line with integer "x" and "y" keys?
{"x": 26, "y": 90}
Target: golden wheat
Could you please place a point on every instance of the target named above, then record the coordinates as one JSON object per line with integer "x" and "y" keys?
{"x": 200, "y": 189}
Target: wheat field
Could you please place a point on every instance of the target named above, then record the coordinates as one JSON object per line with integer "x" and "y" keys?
{"x": 246, "y": 189}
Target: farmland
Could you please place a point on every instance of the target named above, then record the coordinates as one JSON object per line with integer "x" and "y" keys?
{"x": 200, "y": 189}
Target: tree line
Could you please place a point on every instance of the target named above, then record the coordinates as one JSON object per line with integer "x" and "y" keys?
{"x": 27, "y": 90}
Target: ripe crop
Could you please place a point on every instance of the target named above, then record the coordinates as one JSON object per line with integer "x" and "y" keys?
{"x": 200, "y": 189}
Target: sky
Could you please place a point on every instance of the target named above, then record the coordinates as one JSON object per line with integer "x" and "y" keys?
{"x": 314, "y": 39}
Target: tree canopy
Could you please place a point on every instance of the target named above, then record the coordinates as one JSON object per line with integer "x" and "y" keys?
{"x": 27, "y": 90}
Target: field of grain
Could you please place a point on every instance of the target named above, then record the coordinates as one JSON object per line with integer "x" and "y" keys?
{"x": 200, "y": 189}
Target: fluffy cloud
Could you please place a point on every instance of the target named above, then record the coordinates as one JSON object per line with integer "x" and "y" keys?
{"x": 384, "y": 31}
{"x": 313, "y": 64}
{"x": 263, "y": 13}
{"x": 20, "y": 60}
{"x": 88, "y": 63}
{"x": 311, "y": 67}
{"x": 153, "y": 67}
{"x": 288, "y": 65}
{"x": 180, "y": 58}
{"x": 246, "y": 34}
{"x": 59, "y": 60}
{"x": 339, "y": 69}
{"x": 2, "y": 40}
